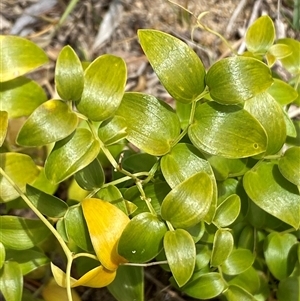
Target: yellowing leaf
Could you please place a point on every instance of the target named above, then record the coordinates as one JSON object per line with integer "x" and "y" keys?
{"x": 105, "y": 224}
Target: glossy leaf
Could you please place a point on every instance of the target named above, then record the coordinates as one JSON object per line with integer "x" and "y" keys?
{"x": 19, "y": 233}
{"x": 222, "y": 247}
{"x": 238, "y": 262}
{"x": 11, "y": 280}
{"x": 43, "y": 184}
{"x": 139, "y": 162}
{"x": 69, "y": 78}
{"x": 180, "y": 251}
{"x": 207, "y": 286}
{"x": 142, "y": 239}
{"x": 277, "y": 249}
{"x": 128, "y": 284}
{"x": 227, "y": 131}
{"x": 277, "y": 51}
{"x": 105, "y": 224}
{"x": 177, "y": 66}
{"x": 269, "y": 190}
{"x": 236, "y": 293}
{"x": 21, "y": 169}
{"x": 47, "y": 204}
{"x": 71, "y": 154}
{"x": 236, "y": 79}
{"x": 269, "y": 113}
{"x": 2, "y": 255}
{"x": 289, "y": 165}
{"x": 3, "y": 125}
{"x": 53, "y": 117}
{"x": 247, "y": 238}
{"x": 188, "y": 203}
{"x": 19, "y": 56}
{"x": 260, "y": 35}
{"x": 152, "y": 124}
{"x": 289, "y": 289}
{"x": 104, "y": 86}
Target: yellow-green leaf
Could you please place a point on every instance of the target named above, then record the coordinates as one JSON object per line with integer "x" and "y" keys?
{"x": 3, "y": 126}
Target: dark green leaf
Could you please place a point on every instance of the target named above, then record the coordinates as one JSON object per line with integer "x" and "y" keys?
{"x": 139, "y": 162}
{"x": 3, "y": 125}
{"x": 289, "y": 289}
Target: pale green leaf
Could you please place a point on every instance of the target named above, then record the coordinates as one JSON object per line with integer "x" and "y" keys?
{"x": 3, "y": 125}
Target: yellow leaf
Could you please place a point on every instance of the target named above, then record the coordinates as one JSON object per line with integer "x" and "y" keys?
{"x": 105, "y": 224}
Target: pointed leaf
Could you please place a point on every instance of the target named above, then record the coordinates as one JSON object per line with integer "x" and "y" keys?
{"x": 177, "y": 66}
{"x": 104, "y": 86}
{"x": 69, "y": 75}
{"x": 19, "y": 56}
{"x": 106, "y": 224}
{"x": 3, "y": 126}
{"x": 152, "y": 124}
{"x": 227, "y": 131}
{"x": 188, "y": 203}
{"x": 71, "y": 154}
{"x": 289, "y": 289}
{"x": 280, "y": 51}
{"x": 51, "y": 121}
{"x": 269, "y": 190}
{"x": 142, "y": 239}
{"x": 236, "y": 79}
{"x": 236, "y": 293}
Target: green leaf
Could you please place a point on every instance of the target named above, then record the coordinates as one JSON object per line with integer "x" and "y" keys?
{"x": 21, "y": 169}
{"x": 207, "y": 286}
{"x": 104, "y": 86}
{"x": 236, "y": 79}
{"x": 289, "y": 165}
{"x": 11, "y": 280}
{"x": 43, "y": 184}
{"x": 47, "y": 204}
{"x": 203, "y": 255}
{"x": 21, "y": 96}
{"x": 183, "y": 112}
{"x": 142, "y": 239}
{"x": 71, "y": 155}
{"x": 69, "y": 78}
{"x": 177, "y": 66}
{"x": 3, "y": 125}
{"x": 260, "y": 35}
{"x": 51, "y": 121}
{"x": 238, "y": 262}
{"x": 19, "y": 233}
{"x": 246, "y": 238}
{"x": 236, "y": 293}
{"x": 269, "y": 190}
{"x": 152, "y": 124}
{"x": 19, "y": 56}
{"x": 277, "y": 252}
{"x": 222, "y": 247}
{"x": 128, "y": 284}
{"x": 277, "y": 52}
{"x": 188, "y": 203}
{"x": 289, "y": 289}
{"x": 270, "y": 115}
{"x": 91, "y": 176}
{"x": 181, "y": 254}
{"x": 28, "y": 260}
{"x": 227, "y": 131}
{"x": 139, "y": 162}
{"x": 2, "y": 255}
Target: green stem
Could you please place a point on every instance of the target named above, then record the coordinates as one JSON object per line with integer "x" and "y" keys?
{"x": 170, "y": 226}
{"x": 144, "y": 197}
{"x": 145, "y": 264}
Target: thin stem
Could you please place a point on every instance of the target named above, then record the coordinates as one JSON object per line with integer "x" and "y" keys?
{"x": 170, "y": 226}
{"x": 145, "y": 264}
{"x": 144, "y": 197}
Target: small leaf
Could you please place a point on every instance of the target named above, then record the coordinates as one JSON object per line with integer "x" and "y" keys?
{"x": 183, "y": 112}
{"x": 236, "y": 293}
{"x": 69, "y": 75}
{"x": 260, "y": 35}
{"x": 227, "y": 131}
{"x": 289, "y": 289}
{"x": 105, "y": 224}
{"x": 53, "y": 117}
{"x": 142, "y": 239}
{"x": 104, "y": 86}
{"x": 2, "y": 255}
{"x": 269, "y": 190}
{"x": 19, "y": 56}
{"x": 188, "y": 203}
{"x": 289, "y": 165}
{"x": 71, "y": 154}
{"x": 280, "y": 51}
{"x": 3, "y": 126}
{"x": 181, "y": 254}
{"x": 177, "y": 66}
{"x": 236, "y": 79}
{"x": 11, "y": 280}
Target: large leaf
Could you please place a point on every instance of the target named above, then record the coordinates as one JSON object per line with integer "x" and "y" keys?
{"x": 104, "y": 86}
{"x": 21, "y": 96}
{"x": 175, "y": 63}
{"x": 142, "y": 239}
{"x": 236, "y": 79}
{"x": 19, "y": 56}
{"x": 71, "y": 154}
{"x": 227, "y": 131}
{"x": 188, "y": 203}
{"x": 51, "y": 121}
{"x": 269, "y": 190}
{"x": 3, "y": 126}
{"x": 105, "y": 224}
{"x": 151, "y": 124}
{"x": 21, "y": 169}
